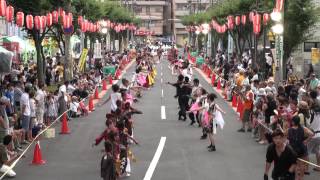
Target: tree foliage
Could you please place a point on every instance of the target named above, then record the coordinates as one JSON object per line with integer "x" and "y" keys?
{"x": 299, "y": 17}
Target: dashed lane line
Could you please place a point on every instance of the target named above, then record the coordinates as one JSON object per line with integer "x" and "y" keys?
{"x": 155, "y": 159}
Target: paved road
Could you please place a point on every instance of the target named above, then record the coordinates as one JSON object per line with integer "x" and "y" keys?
{"x": 184, "y": 156}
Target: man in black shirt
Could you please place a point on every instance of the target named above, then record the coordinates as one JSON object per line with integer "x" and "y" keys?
{"x": 283, "y": 158}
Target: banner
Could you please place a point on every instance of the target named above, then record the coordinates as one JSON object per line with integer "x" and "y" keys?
{"x": 97, "y": 50}
{"x": 315, "y": 56}
{"x": 82, "y": 60}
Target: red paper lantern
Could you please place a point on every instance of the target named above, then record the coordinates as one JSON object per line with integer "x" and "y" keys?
{"x": 43, "y": 22}
{"x": 251, "y": 16}
{"x": 257, "y": 19}
{"x": 97, "y": 26}
{"x": 66, "y": 21}
{"x": 70, "y": 18}
{"x": 257, "y": 23}
{"x": 279, "y": 5}
{"x": 92, "y": 27}
{"x": 87, "y": 25}
{"x": 38, "y": 22}
{"x": 224, "y": 28}
{"x": 230, "y": 22}
{"x": 238, "y": 20}
{"x": 83, "y": 26}
{"x": 55, "y": 17}
{"x": 20, "y": 19}
{"x": 9, "y": 13}
{"x": 244, "y": 19}
{"x": 80, "y": 19}
{"x": 3, "y": 8}
{"x": 61, "y": 12}
{"x": 49, "y": 19}
{"x": 29, "y": 22}
{"x": 266, "y": 18}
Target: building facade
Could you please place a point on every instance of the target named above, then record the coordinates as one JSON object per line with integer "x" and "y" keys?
{"x": 301, "y": 58}
{"x": 153, "y": 15}
{"x": 183, "y": 8}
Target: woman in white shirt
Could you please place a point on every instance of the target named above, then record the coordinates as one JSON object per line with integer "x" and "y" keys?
{"x": 114, "y": 97}
{"x": 33, "y": 119}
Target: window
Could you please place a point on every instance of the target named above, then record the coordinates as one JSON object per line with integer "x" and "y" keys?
{"x": 158, "y": 10}
{"x": 138, "y": 9}
{"x": 148, "y": 10}
{"x": 309, "y": 45}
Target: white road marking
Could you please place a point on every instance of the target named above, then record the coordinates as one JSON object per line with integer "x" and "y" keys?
{"x": 155, "y": 159}
{"x": 162, "y": 93}
{"x": 161, "y": 80}
{"x": 163, "y": 112}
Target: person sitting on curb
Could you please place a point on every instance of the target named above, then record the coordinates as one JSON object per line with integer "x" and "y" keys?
{"x": 7, "y": 157}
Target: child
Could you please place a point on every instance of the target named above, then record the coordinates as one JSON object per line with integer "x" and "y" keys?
{"x": 108, "y": 168}
{"x": 74, "y": 107}
{"x": 52, "y": 110}
{"x": 114, "y": 97}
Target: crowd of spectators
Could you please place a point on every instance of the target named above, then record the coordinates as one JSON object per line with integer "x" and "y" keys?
{"x": 289, "y": 109}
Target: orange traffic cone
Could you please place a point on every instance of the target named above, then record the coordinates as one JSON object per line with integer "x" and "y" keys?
{"x": 234, "y": 101}
{"x": 213, "y": 79}
{"x": 219, "y": 85}
{"x": 37, "y": 156}
{"x": 64, "y": 125}
{"x": 104, "y": 85}
{"x": 110, "y": 80}
{"x": 96, "y": 93}
{"x": 91, "y": 106}
{"x": 117, "y": 74}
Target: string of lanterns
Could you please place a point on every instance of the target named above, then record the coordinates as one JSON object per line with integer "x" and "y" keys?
{"x": 238, "y": 20}
{"x": 41, "y": 22}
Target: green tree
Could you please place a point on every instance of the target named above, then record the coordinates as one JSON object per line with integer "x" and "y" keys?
{"x": 35, "y": 7}
{"x": 299, "y": 17}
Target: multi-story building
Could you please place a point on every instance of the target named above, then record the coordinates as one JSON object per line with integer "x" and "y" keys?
{"x": 183, "y": 8}
{"x": 153, "y": 15}
{"x": 302, "y": 55}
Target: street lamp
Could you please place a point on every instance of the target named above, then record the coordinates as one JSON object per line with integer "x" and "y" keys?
{"x": 278, "y": 30}
{"x": 104, "y": 30}
{"x": 205, "y": 31}
{"x": 276, "y": 16}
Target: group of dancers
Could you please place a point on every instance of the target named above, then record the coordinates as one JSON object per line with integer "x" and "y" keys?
{"x": 118, "y": 134}
{"x": 196, "y": 102}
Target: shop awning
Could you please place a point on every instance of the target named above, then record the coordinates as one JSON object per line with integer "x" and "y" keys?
{"x": 24, "y": 46}
{"x": 5, "y": 60}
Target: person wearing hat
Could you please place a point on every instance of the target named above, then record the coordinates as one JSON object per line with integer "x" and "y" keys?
{"x": 259, "y": 115}
{"x": 304, "y": 113}
{"x": 271, "y": 85}
{"x": 247, "y": 109}
{"x": 314, "y": 82}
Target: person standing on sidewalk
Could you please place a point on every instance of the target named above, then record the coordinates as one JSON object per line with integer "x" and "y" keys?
{"x": 26, "y": 113}
{"x": 247, "y": 109}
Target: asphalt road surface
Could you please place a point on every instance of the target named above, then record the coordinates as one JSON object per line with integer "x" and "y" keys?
{"x": 184, "y": 156}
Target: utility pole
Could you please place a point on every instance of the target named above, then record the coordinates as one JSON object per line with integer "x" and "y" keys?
{"x": 68, "y": 62}
{"x": 255, "y": 59}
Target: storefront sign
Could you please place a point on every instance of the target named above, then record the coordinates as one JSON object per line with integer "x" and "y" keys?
{"x": 82, "y": 60}
{"x": 315, "y": 56}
